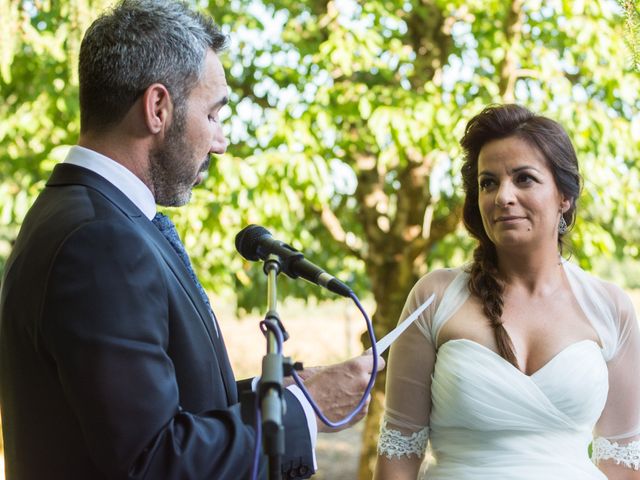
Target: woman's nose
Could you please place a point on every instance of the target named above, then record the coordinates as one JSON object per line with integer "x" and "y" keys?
{"x": 505, "y": 194}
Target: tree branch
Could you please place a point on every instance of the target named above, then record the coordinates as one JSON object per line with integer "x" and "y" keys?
{"x": 370, "y": 195}
{"x": 513, "y": 33}
{"x": 334, "y": 227}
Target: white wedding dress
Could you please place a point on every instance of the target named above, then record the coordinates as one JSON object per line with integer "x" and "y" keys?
{"x": 489, "y": 420}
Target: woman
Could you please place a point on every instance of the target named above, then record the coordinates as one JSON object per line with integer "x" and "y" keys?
{"x": 524, "y": 359}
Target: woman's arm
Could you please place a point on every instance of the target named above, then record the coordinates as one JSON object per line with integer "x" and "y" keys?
{"x": 403, "y": 468}
{"x": 616, "y": 472}
{"x": 405, "y": 428}
{"x": 616, "y": 446}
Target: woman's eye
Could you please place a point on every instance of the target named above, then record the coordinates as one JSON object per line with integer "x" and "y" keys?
{"x": 525, "y": 178}
{"x": 485, "y": 183}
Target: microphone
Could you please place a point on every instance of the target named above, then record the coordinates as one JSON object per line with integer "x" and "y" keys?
{"x": 256, "y": 243}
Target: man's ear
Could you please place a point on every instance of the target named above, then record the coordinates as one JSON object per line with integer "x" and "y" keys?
{"x": 157, "y": 108}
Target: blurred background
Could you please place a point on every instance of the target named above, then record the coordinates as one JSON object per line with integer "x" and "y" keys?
{"x": 343, "y": 124}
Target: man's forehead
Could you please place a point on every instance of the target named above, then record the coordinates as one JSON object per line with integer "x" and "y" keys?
{"x": 214, "y": 76}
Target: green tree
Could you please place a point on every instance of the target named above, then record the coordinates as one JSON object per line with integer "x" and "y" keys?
{"x": 39, "y": 44}
{"x": 344, "y": 124}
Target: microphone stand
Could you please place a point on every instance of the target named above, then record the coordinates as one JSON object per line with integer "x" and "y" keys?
{"x": 271, "y": 388}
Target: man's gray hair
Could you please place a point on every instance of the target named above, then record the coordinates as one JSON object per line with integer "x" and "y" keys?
{"x": 136, "y": 44}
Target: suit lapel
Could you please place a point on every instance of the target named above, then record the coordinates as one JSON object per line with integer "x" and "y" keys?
{"x": 67, "y": 174}
{"x": 180, "y": 271}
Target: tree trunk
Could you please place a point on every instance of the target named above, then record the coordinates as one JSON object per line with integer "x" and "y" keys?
{"x": 371, "y": 427}
{"x": 376, "y": 407}
{"x": 396, "y": 235}
{"x": 392, "y": 276}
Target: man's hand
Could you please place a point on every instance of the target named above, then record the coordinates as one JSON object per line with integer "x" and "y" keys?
{"x": 337, "y": 389}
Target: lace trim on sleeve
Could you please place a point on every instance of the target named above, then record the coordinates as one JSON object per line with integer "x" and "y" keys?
{"x": 393, "y": 443}
{"x": 627, "y": 455}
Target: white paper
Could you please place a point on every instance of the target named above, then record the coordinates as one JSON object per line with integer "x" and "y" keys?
{"x": 386, "y": 341}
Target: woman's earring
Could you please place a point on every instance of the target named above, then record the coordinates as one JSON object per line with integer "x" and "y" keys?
{"x": 562, "y": 226}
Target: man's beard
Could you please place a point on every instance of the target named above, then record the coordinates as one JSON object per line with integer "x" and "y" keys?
{"x": 171, "y": 170}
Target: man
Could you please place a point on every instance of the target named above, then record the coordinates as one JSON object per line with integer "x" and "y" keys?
{"x": 111, "y": 361}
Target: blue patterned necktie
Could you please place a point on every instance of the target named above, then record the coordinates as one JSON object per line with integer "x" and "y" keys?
{"x": 168, "y": 230}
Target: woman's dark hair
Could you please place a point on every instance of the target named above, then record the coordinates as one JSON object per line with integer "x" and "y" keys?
{"x": 549, "y": 138}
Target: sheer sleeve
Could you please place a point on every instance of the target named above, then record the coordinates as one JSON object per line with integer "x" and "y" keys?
{"x": 405, "y": 426}
{"x": 617, "y": 433}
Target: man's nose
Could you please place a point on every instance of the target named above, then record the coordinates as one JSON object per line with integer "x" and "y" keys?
{"x": 219, "y": 143}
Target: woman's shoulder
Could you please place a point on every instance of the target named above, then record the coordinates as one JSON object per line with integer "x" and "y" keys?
{"x": 437, "y": 281}
{"x": 442, "y": 276}
{"x": 603, "y": 291}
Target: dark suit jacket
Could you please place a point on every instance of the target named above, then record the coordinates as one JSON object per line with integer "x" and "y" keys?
{"x": 109, "y": 363}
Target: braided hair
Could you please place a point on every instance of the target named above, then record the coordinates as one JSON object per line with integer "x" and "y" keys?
{"x": 547, "y": 136}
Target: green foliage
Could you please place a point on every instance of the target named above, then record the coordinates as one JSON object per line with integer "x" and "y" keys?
{"x": 344, "y": 124}
{"x": 39, "y": 112}
{"x": 632, "y": 29}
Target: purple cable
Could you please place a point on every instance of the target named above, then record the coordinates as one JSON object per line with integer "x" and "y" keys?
{"x": 279, "y": 340}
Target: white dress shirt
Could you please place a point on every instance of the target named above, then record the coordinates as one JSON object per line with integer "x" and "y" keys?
{"x": 118, "y": 175}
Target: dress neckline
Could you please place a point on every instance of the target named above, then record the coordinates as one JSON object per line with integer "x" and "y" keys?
{"x": 549, "y": 362}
